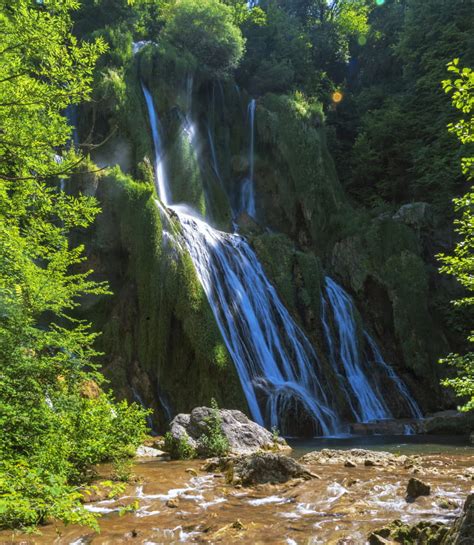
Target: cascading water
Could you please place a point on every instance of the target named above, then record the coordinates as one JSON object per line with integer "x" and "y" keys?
{"x": 247, "y": 194}
{"x": 276, "y": 363}
{"x": 160, "y": 172}
{"x": 351, "y": 363}
{"x": 215, "y": 164}
{"x": 279, "y": 370}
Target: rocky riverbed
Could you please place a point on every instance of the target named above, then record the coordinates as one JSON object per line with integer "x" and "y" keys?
{"x": 331, "y": 497}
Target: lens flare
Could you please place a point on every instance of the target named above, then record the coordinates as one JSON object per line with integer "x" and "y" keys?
{"x": 337, "y": 96}
{"x": 380, "y": 2}
{"x": 362, "y": 40}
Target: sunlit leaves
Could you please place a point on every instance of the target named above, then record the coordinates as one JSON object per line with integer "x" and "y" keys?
{"x": 461, "y": 263}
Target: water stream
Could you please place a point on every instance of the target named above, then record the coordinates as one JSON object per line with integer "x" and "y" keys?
{"x": 247, "y": 193}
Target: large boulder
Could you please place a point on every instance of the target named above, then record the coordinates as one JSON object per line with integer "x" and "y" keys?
{"x": 243, "y": 435}
{"x": 262, "y": 468}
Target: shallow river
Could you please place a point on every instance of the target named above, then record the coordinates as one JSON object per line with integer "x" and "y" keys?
{"x": 342, "y": 506}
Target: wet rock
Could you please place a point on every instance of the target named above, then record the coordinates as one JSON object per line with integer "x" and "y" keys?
{"x": 149, "y": 452}
{"x": 355, "y": 457}
{"x": 263, "y": 468}
{"x": 416, "y": 488}
{"x": 375, "y": 539}
{"x": 383, "y": 427}
{"x": 397, "y": 533}
{"x": 243, "y": 435}
{"x": 172, "y": 503}
{"x": 462, "y": 532}
{"x": 447, "y": 422}
{"x": 445, "y": 503}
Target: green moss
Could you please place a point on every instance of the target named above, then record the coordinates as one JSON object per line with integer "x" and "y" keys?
{"x": 159, "y": 318}
{"x": 298, "y": 181}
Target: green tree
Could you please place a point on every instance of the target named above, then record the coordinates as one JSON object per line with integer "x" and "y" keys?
{"x": 55, "y": 419}
{"x": 207, "y": 30}
{"x": 461, "y": 263}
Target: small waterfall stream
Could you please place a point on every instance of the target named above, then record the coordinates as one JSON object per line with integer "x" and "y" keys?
{"x": 247, "y": 194}
{"x": 352, "y": 363}
{"x": 279, "y": 370}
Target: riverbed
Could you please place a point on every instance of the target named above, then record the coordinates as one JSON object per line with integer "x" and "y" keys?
{"x": 178, "y": 502}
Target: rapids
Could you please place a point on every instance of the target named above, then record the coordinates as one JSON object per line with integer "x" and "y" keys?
{"x": 173, "y": 506}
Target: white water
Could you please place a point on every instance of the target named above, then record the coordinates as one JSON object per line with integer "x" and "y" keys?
{"x": 247, "y": 194}
{"x": 370, "y": 405}
{"x": 160, "y": 172}
{"x": 273, "y": 357}
{"x": 359, "y": 372}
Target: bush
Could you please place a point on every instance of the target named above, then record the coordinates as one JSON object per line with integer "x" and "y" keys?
{"x": 179, "y": 449}
{"x": 213, "y": 442}
{"x": 206, "y": 29}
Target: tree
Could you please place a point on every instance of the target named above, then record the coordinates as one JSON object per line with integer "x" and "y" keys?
{"x": 207, "y": 30}
{"x": 461, "y": 263}
{"x": 55, "y": 420}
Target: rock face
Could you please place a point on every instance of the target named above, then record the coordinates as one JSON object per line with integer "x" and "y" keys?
{"x": 244, "y": 436}
{"x": 355, "y": 457}
{"x": 462, "y": 532}
{"x": 416, "y": 488}
{"x": 261, "y": 468}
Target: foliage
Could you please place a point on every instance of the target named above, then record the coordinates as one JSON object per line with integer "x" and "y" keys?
{"x": 54, "y": 423}
{"x": 391, "y": 139}
{"x": 213, "y": 442}
{"x": 461, "y": 263}
{"x": 179, "y": 448}
{"x": 206, "y": 29}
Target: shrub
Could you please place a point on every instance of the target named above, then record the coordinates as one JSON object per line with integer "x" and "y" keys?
{"x": 179, "y": 449}
{"x": 213, "y": 442}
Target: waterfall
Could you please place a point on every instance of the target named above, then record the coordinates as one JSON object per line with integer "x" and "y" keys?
{"x": 215, "y": 164}
{"x": 276, "y": 363}
{"x": 160, "y": 172}
{"x": 149, "y": 419}
{"x": 399, "y": 384}
{"x": 352, "y": 365}
{"x": 247, "y": 194}
{"x": 279, "y": 370}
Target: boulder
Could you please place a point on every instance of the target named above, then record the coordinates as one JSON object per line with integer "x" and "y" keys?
{"x": 355, "y": 457}
{"x": 262, "y": 468}
{"x": 416, "y": 488}
{"x": 243, "y": 435}
{"x": 149, "y": 452}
